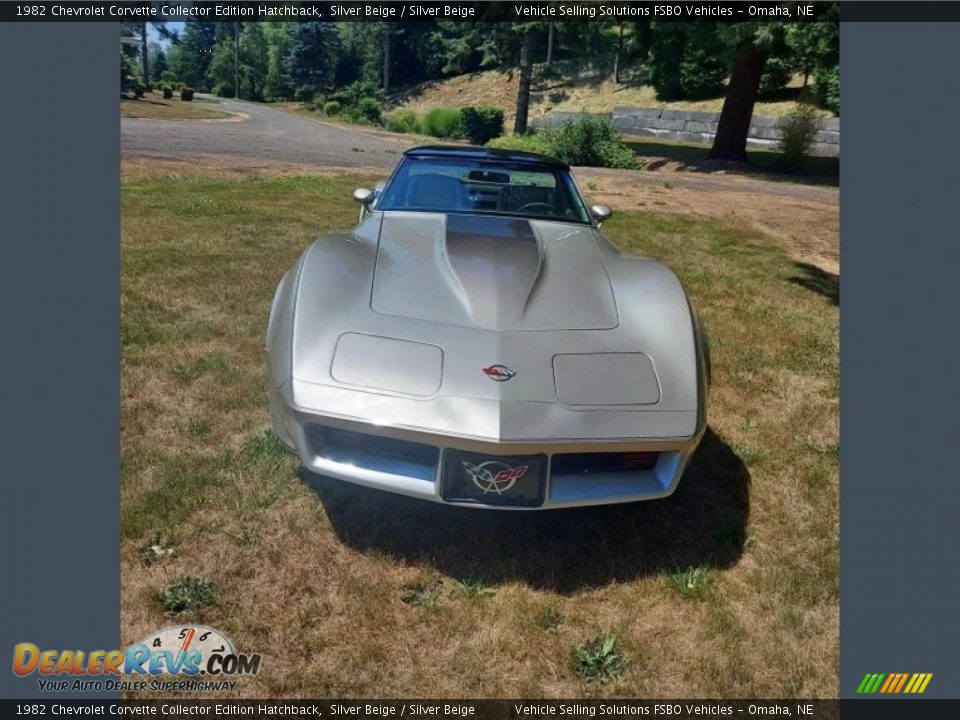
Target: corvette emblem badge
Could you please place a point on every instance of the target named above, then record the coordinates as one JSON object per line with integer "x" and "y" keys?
{"x": 498, "y": 373}
{"x": 494, "y": 476}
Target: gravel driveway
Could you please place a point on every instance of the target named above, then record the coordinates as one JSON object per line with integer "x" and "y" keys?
{"x": 264, "y": 134}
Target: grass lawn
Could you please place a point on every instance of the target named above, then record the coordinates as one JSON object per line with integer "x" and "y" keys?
{"x": 154, "y": 107}
{"x": 728, "y": 588}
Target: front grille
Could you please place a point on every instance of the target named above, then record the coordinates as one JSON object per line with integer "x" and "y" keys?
{"x": 588, "y": 463}
{"x": 373, "y": 452}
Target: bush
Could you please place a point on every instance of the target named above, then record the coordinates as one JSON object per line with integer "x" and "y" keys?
{"x": 826, "y": 88}
{"x": 304, "y": 93}
{"x": 367, "y": 109}
{"x": 186, "y": 93}
{"x": 592, "y": 140}
{"x": 442, "y": 122}
{"x": 403, "y": 121}
{"x": 167, "y": 92}
{"x": 776, "y": 75}
{"x": 331, "y": 108}
{"x": 351, "y": 95}
{"x": 538, "y": 142}
{"x": 589, "y": 140}
{"x": 481, "y": 124}
{"x": 799, "y": 129}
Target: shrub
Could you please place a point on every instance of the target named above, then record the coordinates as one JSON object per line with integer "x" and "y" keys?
{"x": 186, "y": 93}
{"x": 826, "y": 88}
{"x": 591, "y": 140}
{"x": 481, "y": 124}
{"x": 331, "y": 108}
{"x": 304, "y": 93}
{"x": 224, "y": 90}
{"x": 367, "y": 109}
{"x": 776, "y": 75}
{"x": 799, "y": 130}
{"x": 403, "y": 121}
{"x": 351, "y": 95}
{"x": 442, "y": 122}
{"x": 538, "y": 142}
{"x": 167, "y": 92}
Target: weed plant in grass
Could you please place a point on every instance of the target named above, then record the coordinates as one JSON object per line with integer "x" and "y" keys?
{"x": 191, "y": 593}
{"x": 692, "y": 583}
{"x": 599, "y": 660}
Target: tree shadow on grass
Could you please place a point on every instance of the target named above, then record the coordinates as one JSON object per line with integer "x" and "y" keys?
{"x": 703, "y": 524}
{"x": 818, "y": 281}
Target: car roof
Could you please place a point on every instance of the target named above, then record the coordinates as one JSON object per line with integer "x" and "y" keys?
{"x": 474, "y": 152}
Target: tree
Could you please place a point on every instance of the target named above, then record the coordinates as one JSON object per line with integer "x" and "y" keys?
{"x": 523, "y": 87}
{"x": 749, "y": 44}
{"x": 158, "y": 62}
{"x": 253, "y": 62}
{"x": 190, "y": 56}
{"x": 313, "y": 55}
{"x": 386, "y": 57}
{"x": 687, "y": 60}
{"x": 144, "y": 55}
{"x": 279, "y": 40}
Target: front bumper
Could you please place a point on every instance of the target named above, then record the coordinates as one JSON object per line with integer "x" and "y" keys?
{"x": 410, "y": 461}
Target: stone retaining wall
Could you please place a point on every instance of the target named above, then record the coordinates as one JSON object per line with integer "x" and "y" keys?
{"x": 697, "y": 126}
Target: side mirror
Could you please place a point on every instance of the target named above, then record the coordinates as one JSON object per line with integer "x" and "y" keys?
{"x": 363, "y": 196}
{"x": 601, "y": 212}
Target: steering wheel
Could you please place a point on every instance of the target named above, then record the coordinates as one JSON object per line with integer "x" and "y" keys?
{"x": 531, "y": 206}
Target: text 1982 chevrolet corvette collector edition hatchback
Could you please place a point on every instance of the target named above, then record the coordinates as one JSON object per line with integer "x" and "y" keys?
{"x": 476, "y": 341}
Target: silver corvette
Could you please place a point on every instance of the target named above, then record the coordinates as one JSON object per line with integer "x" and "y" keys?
{"x": 475, "y": 340}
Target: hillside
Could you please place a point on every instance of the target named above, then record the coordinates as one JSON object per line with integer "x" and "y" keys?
{"x": 583, "y": 90}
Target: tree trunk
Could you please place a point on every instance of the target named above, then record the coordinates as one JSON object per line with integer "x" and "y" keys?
{"x": 144, "y": 55}
{"x": 550, "y": 33}
{"x": 236, "y": 60}
{"x": 731, "y": 140}
{"x": 386, "y": 58}
{"x": 616, "y": 58}
{"x": 523, "y": 88}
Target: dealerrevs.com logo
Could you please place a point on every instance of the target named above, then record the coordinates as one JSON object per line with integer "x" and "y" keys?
{"x": 201, "y": 658}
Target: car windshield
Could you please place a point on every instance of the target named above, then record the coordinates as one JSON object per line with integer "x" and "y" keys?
{"x": 490, "y": 187}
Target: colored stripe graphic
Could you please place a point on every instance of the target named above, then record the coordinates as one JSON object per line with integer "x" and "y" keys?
{"x": 894, "y": 683}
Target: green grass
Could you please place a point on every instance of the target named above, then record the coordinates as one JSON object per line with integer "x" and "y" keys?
{"x": 350, "y": 573}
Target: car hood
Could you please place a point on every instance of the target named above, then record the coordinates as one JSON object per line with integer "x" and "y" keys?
{"x": 493, "y": 273}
